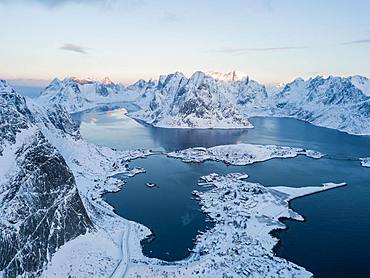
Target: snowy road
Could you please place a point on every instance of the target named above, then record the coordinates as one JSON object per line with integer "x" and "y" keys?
{"x": 122, "y": 267}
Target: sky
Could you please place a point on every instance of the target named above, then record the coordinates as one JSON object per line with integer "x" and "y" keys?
{"x": 272, "y": 41}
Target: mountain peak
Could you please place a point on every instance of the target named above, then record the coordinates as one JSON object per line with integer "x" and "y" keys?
{"x": 197, "y": 77}
{"x": 5, "y": 87}
{"x": 81, "y": 81}
{"x": 228, "y": 76}
{"x": 106, "y": 81}
{"x": 3, "y": 84}
{"x": 78, "y": 94}
{"x": 88, "y": 80}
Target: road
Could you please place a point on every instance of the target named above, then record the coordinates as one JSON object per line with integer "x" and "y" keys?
{"x": 122, "y": 267}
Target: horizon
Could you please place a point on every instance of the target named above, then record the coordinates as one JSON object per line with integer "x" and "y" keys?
{"x": 31, "y": 83}
{"x": 272, "y": 41}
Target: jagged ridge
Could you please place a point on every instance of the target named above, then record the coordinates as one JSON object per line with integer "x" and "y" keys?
{"x": 228, "y": 100}
{"x": 40, "y": 206}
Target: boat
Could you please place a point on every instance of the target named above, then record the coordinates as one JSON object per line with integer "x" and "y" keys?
{"x": 150, "y": 184}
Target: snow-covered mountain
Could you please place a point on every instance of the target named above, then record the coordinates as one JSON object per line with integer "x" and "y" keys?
{"x": 81, "y": 94}
{"x": 217, "y": 100}
{"x": 334, "y": 102}
{"x": 196, "y": 102}
{"x": 250, "y": 96}
{"x": 205, "y": 102}
{"x": 40, "y": 207}
{"x": 362, "y": 83}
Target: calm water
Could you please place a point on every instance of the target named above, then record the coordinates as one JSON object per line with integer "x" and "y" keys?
{"x": 333, "y": 241}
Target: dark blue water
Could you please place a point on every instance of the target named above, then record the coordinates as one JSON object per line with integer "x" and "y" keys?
{"x": 115, "y": 129}
{"x": 333, "y": 241}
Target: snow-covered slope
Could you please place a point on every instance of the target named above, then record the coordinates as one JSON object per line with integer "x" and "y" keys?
{"x": 251, "y": 98}
{"x": 49, "y": 180}
{"x": 333, "y": 102}
{"x": 198, "y": 102}
{"x": 40, "y": 207}
{"x": 141, "y": 92}
{"x": 206, "y": 102}
{"x": 14, "y": 115}
{"x": 362, "y": 83}
{"x": 77, "y": 95}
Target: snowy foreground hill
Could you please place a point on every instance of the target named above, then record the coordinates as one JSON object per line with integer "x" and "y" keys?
{"x": 216, "y": 100}
{"x": 40, "y": 206}
{"x": 45, "y": 174}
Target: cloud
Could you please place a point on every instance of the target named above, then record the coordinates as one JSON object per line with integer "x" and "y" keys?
{"x": 239, "y": 51}
{"x": 364, "y": 41}
{"x": 74, "y": 48}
